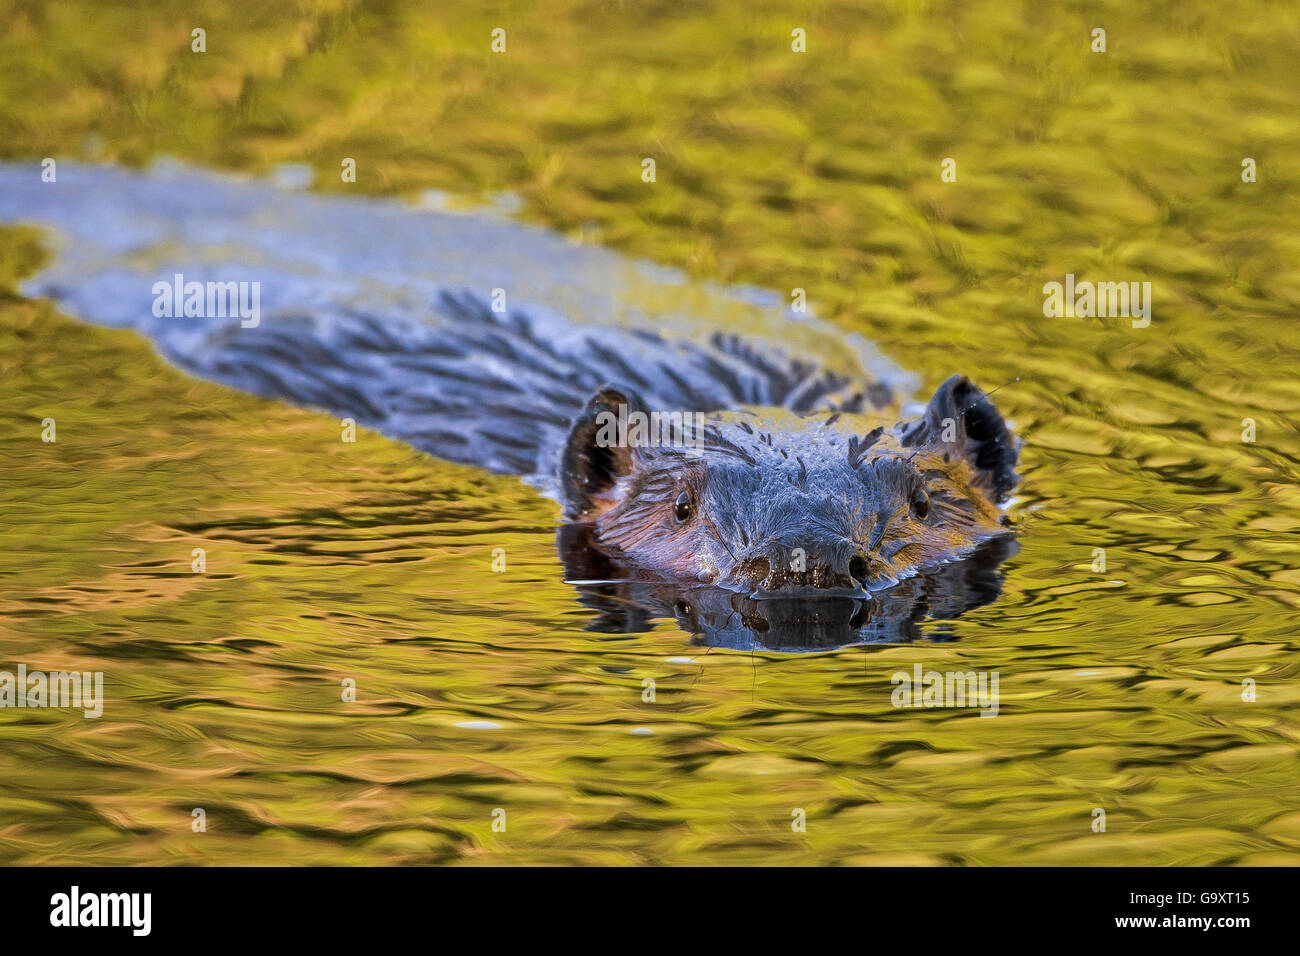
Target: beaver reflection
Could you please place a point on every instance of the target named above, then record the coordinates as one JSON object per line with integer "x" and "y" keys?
{"x": 720, "y": 618}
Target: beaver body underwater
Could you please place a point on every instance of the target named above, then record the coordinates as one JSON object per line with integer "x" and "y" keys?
{"x": 793, "y": 517}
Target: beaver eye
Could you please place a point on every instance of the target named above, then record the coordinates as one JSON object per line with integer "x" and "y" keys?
{"x": 921, "y": 503}
{"x": 682, "y": 509}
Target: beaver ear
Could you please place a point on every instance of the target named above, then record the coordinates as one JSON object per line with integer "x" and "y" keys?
{"x": 960, "y": 419}
{"x": 594, "y": 459}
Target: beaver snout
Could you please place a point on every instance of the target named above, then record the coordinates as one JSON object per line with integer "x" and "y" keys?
{"x": 762, "y": 573}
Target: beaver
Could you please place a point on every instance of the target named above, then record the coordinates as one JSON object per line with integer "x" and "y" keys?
{"x": 786, "y": 504}
{"x": 795, "y": 489}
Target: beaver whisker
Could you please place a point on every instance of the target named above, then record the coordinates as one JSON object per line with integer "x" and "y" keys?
{"x": 858, "y": 447}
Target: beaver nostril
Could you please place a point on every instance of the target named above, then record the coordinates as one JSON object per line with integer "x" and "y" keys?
{"x": 858, "y": 567}
{"x": 757, "y": 569}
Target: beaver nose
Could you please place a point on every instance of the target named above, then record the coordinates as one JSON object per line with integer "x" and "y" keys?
{"x": 768, "y": 572}
{"x": 755, "y": 569}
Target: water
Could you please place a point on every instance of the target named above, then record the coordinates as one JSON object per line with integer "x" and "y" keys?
{"x": 1120, "y": 689}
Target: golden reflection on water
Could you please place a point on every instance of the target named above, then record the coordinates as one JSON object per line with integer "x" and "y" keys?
{"x": 325, "y": 561}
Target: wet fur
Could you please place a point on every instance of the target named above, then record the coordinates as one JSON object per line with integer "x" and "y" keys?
{"x": 795, "y": 458}
{"x": 842, "y": 494}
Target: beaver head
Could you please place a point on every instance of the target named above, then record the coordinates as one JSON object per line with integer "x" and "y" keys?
{"x": 783, "y": 504}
